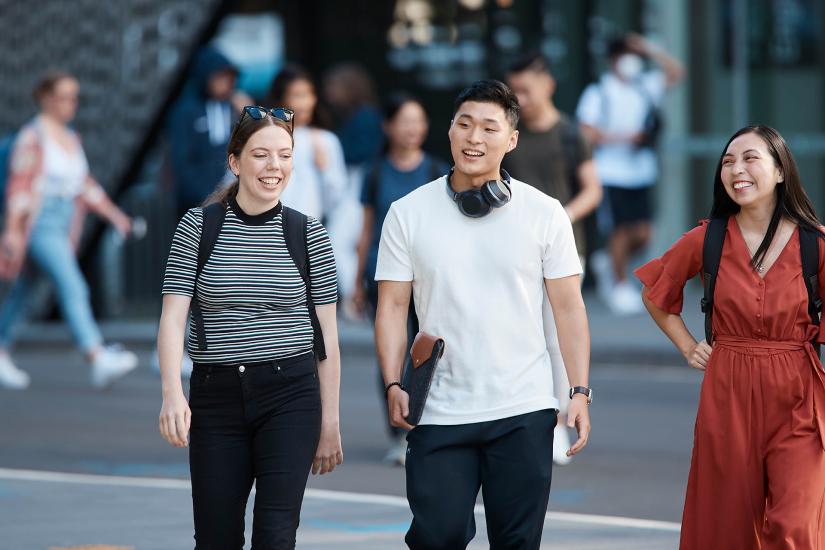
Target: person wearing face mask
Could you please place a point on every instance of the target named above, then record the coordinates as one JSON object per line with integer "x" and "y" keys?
{"x": 618, "y": 115}
{"x": 757, "y": 475}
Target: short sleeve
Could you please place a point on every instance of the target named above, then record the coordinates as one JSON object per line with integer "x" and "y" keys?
{"x": 655, "y": 85}
{"x": 183, "y": 255}
{"x": 664, "y": 278}
{"x": 589, "y": 109}
{"x": 322, "y": 273}
{"x": 394, "y": 260}
{"x": 559, "y": 257}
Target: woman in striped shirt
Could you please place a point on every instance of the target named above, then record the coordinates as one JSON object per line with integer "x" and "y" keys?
{"x": 261, "y": 407}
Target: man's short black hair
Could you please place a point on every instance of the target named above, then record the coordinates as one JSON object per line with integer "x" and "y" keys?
{"x": 530, "y": 61}
{"x": 616, "y": 47}
{"x": 490, "y": 91}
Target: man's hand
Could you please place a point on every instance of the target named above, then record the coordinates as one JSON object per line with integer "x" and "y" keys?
{"x": 578, "y": 417}
{"x": 398, "y": 405}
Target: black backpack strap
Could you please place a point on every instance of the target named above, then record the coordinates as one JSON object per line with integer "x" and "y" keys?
{"x": 295, "y": 235}
{"x": 213, "y": 216}
{"x": 809, "y": 252}
{"x": 711, "y": 256}
{"x": 572, "y": 158}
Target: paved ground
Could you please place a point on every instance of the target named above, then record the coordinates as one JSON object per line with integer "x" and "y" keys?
{"x": 624, "y": 492}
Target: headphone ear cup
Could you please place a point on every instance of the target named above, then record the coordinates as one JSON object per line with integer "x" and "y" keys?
{"x": 496, "y": 193}
{"x": 473, "y": 204}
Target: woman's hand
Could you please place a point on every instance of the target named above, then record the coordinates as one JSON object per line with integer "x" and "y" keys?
{"x": 329, "y": 453}
{"x": 13, "y": 246}
{"x": 578, "y": 416}
{"x": 698, "y": 355}
{"x": 175, "y": 419}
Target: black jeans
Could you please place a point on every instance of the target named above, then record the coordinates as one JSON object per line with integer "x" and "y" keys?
{"x": 511, "y": 460}
{"x": 260, "y": 422}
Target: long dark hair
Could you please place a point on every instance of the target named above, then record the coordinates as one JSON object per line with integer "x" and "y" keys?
{"x": 792, "y": 201}
{"x": 286, "y": 77}
{"x": 243, "y": 130}
{"x": 390, "y": 108}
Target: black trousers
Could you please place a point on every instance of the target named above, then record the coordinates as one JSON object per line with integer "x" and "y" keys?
{"x": 511, "y": 460}
{"x": 258, "y": 423}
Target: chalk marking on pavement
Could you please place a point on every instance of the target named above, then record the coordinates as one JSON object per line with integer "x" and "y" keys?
{"x": 321, "y": 494}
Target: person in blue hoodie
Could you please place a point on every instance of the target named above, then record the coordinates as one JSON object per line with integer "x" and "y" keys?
{"x": 199, "y": 128}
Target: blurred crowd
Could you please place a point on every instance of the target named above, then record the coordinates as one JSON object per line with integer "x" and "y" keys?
{"x": 355, "y": 153}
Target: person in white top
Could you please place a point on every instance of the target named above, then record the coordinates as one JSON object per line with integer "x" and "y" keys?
{"x": 479, "y": 251}
{"x": 49, "y": 187}
{"x": 320, "y": 177}
{"x": 619, "y": 116}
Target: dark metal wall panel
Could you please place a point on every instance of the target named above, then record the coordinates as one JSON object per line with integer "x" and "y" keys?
{"x": 126, "y": 54}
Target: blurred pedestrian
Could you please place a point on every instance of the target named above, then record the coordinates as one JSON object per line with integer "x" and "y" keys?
{"x": 480, "y": 250}
{"x": 350, "y": 93}
{"x": 199, "y": 128}
{"x": 757, "y": 476}
{"x": 263, "y": 406}
{"x": 48, "y": 190}
{"x": 403, "y": 168}
{"x": 620, "y": 117}
{"x": 320, "y": 180}
{"x": 554, "y": 157}
{"x": 320, "y": 172}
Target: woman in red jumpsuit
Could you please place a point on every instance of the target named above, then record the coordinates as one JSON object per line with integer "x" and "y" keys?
{"x": 757, "y": 475}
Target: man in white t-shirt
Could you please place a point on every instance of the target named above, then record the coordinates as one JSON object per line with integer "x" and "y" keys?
{"x": 618, "y": 115}
{"x": 479, "y": 251}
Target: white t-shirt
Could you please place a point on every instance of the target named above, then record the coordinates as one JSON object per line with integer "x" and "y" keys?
{"x": 615, "y": 106}
{"x": 479, "y": 284}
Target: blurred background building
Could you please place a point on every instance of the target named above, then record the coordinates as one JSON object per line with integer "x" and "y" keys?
{"x": 747, "y": 61}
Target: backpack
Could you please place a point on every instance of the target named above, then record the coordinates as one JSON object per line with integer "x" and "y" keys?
{"x": 651, "y": 126}
{"x": 295, "y": 234}
{"x": 712, "y": 254}
{"x": 570, "y": 149}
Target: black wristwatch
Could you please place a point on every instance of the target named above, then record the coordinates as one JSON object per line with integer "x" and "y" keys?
{"x": 587, "y": 392}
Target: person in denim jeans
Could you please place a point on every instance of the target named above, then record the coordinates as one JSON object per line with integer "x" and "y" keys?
{"x": 49, "y": 188}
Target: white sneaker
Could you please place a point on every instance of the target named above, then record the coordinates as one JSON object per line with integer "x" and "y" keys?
{"x": 603, "y": 269}
{"x": 398, "y": 451}
{"x": 111, "y": 363}
{"x": 11, "y": 377}
{"x": 626, "y": 299}
{"x": 561, "y": 443}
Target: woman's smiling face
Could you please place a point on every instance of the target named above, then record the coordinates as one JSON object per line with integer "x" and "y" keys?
{"x": 749, "y": 172}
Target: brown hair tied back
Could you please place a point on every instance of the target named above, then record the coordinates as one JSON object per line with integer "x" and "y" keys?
{"x": 241, "y": 133}
{"x": 48, "y": 82}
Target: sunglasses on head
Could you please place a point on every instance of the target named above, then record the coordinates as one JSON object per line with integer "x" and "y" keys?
{"x": 281, "y": 113}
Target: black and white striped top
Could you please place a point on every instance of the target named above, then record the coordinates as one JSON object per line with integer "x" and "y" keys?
{"x": 252, "y": 295}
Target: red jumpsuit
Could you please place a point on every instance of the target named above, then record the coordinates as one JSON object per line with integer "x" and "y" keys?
{"x": 757, "y": 474}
